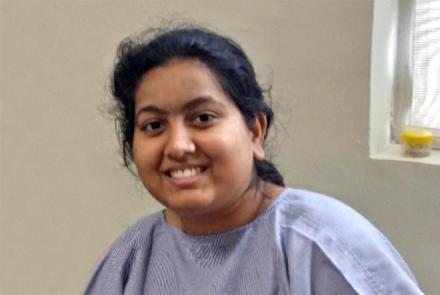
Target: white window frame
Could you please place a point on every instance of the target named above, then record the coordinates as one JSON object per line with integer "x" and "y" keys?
{"x": 384, "y": 85}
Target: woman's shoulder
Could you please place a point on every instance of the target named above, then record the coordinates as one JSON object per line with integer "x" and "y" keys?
{"x": 320, "y": 211}
{"x": 353, "y": 245}
{"x": 139, "y": 232}
{"x": 325, "y": 220}
{"x": 110, "y": 273}
{"x": 137, "y": 236}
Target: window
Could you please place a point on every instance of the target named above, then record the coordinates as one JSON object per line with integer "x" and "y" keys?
{"x": 417, "y": 68}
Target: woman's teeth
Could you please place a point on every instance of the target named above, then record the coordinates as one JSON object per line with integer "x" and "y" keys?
{"x": 185, "y": 173}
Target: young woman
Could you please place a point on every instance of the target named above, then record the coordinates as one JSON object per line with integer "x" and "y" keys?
{"x": 193, "y": 121}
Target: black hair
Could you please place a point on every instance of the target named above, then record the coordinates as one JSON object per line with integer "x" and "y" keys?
{"x": 224, "y": 57}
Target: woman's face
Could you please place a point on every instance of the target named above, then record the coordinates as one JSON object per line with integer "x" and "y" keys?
{"x": 192, "y": 148}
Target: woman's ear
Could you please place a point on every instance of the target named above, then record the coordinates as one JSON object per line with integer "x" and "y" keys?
{"x": 258, "y": 130}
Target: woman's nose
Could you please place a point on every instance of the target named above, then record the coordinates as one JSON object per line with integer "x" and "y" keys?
{"x": 179, "y": 143}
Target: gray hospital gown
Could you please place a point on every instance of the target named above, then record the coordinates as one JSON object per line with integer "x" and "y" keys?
{"x": 305, "y": 243}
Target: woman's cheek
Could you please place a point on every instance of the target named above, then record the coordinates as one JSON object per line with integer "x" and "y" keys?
{"x": 142, "y": 158}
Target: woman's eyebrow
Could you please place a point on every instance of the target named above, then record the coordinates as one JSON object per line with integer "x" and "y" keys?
{"x": 198, "y": 101}
{"x": 150, "y": 109}
{"x": 189, "y": 106}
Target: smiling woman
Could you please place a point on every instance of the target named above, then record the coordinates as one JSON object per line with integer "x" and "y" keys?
{"x": 193, "y": 120}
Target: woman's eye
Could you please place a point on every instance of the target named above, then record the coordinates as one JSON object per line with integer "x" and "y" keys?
{"x": 153, "y": 127}
{"x": 204, "y": 118}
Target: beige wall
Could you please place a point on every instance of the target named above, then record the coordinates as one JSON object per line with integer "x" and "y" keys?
{"x": 64, "y": 196}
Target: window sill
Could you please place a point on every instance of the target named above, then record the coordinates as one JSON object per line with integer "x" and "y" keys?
{"x": 394, "y": 153}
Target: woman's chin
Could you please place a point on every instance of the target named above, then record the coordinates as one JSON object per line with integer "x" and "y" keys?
{"x": 189, "y": 204}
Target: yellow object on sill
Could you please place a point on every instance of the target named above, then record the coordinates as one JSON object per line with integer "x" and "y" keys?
{"x": 416, "y": 142}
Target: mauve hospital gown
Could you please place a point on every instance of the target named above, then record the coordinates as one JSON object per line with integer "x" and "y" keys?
{"x": 305, "y": 243}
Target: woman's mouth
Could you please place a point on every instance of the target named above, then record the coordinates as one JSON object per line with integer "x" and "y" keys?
{"x": 183, "y": 173}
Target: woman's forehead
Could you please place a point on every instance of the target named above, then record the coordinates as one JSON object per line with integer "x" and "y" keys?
{"x": 177, "y": 82}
